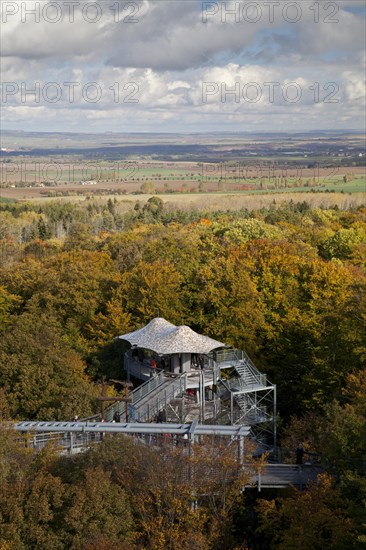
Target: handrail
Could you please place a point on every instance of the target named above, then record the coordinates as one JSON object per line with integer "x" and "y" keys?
{"x": 248, "y": 372}
{"x": 251, "y": 416}
{"x": 243, "y": 382}
{"x": 136, "y": 368}
{"x": 236, "y": 355}
{"x": 149, "y": 410}
{"x": 280, "y": 454}
{"x": 146, "y": 387}
{"x": 136, "y": 395}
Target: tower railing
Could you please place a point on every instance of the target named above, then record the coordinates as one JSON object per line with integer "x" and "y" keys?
{"x": 246, "y": 382}
{"x": 147, "y": 387}
{"x": 153, "y": 406}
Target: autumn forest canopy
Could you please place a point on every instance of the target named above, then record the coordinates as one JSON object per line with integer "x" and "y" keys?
{"x": 285, "y": 283}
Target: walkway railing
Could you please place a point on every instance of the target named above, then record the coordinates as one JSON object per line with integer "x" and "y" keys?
{"x": 147, "y": 387}
{"x": 74, "y": 437}
{"x": 69, "y": 442}
{"x": 237, "y": 358}
{"x": 281, "y": 476}
{"x": 55, "y": 429}
{"x": 142, "y": 408}
{"x": 151, "y": 408}
{"x": 134, "y": 367}
{"x": 246, "y": 383}
{"x": 234, "y": 355}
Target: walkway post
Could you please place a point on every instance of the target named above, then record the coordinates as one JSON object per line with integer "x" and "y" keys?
{"x": 200, "y": 394}
{"x": 241, "y": 449}
{"x": 231, "y": 407}
{"x": 71, "y": 443}
{"x": 274, "y": 418}
{"x": 126, "y": 366}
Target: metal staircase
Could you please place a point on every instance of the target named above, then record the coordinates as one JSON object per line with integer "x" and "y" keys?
{"x": 252, "y": 396}
{"x": 250, "y": 375}
{"x": 150, "y": 398}
{"x": 238, "y": 359}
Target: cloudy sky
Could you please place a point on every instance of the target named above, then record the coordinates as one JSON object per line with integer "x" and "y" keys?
{"x": 182, "y": 65}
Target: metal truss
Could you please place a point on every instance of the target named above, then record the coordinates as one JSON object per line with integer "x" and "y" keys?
{"x": 191, "y": 430}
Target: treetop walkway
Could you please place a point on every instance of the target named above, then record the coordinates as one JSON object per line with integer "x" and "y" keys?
{"x": 190, "y": 430}
{"x": 76, "y": 437}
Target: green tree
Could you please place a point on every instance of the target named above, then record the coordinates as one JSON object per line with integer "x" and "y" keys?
{"x": 42, "y": 376}
{"x": 343, "y": 242}
{"x": 31, "y": 498}
{"x": 315, "y": 519}
{"x": 226, "y": 302}
{"x": 153, "y": 290}
{"x": 99, "y": 513}
{"x": 43, "y": 230}
{"x": 80, "y": 237}
{"x": 147, "y": 187}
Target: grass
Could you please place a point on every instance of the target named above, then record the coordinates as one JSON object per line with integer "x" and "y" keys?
{"x": 229, "y": 201}
{"x": 7, "y": 199}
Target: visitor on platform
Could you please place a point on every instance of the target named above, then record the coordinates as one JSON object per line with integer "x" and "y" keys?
{"x": 117, "y": 417}
{"x": 299, "y": 454}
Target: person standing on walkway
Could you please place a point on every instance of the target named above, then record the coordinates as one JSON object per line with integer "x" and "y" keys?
{"x": 153, "y": 367}
{"x": 299, "y": 454}
{"x": 117, "y": 417}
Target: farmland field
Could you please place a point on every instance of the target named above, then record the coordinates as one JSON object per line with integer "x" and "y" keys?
{"x": 35, "y": 167}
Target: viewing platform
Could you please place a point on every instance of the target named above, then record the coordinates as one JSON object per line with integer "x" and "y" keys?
{"x": 185, "y": 375}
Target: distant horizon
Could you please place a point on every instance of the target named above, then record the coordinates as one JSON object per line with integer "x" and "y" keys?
{"x": 206, "y": 132}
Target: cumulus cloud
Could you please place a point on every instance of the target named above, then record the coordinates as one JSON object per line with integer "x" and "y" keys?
{"x": 150, "y": 62}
